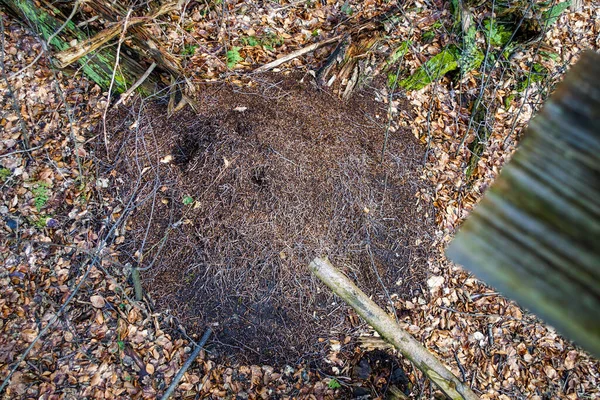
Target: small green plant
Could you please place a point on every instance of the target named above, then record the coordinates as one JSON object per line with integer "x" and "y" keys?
{"x": 347, "y": 9}
{"x": 121, "y": 345}
{"x": 496, "y": 34}
{"x": 187, "y": 200}
{"x": 250, "y": 41}
{"x": 269, "y": 41}
{"x": 41, "y": 195}
{"x": 4, "y": 174}
{"x": 233, "y": 57}
{"x": 551, "y": 15}
{"x": 189, "y": 49}
{"x": 41, "y": 221}
{"x": 333, "y": 384}
{"x": 429, "y": 35}
{"x": 550, "y": 56}
{"x": 537, "y": 74}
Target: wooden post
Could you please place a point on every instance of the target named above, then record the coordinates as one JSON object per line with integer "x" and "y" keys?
{"x": 535, "y": 236}
{"x": 391, "y": 331}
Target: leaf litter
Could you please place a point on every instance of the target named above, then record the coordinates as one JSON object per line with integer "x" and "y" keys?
{"x": 125, "y": 349}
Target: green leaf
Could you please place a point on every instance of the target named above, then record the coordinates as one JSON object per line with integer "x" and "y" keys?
{"x": 347, "y": 9}
{"x": 233, "y": 57}
{"x": 551, "y": 15}
{"x": 550, "y": 56}
{"x": 187, "y": 200}
{"x": 333, "y": 384}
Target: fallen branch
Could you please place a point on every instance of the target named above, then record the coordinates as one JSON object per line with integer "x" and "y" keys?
{"x": 74, "y": 53}
{"x": 129, "y": 92}
{"x": 187, "y": 364}
{"x": 141, "y": 37}
{"x": 391, "y": 331}
{"x": 297, "y": 53}
{"x": 59, "y": 30}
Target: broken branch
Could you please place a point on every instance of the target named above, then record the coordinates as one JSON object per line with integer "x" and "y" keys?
{"x": 391, "y": 331}
{"x": 297, "y": 53}
{"x": 187, "y": 364}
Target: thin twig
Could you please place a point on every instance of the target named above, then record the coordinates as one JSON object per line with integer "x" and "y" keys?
{"x": 22, "y": 151}
{"x": 112, "y": 81}
{"x": 187, "y": 364}
{"x": 296, "y": 54}
{"x": 137, "y": 84}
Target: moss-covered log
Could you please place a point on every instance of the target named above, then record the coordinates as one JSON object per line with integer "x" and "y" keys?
{"x": 142, "y": 39}
{"x": 98, "y": 66}
{"x": 536, "y": 234}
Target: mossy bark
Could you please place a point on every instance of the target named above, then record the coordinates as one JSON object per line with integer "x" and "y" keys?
{"x": 98, "y": 66}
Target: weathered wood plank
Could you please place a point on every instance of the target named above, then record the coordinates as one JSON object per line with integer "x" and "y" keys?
{"x": 535, "y": 236}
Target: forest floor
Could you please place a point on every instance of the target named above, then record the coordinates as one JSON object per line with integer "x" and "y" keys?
{"x": 70, "y": 325}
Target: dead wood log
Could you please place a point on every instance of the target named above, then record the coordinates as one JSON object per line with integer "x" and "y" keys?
{"x": 351, "y": 64}
{"x": 142, "y": 39}
{"x": 48, "y": 20}
{"x": 391, "y": 331}
{"x": 535, "y": 236}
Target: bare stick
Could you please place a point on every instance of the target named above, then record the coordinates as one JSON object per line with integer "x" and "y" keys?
{"x": 112, "y": 80}
{"x": 129, "y": 91}
{"x": 391, "y": 331}
{"x": 296, "y": 54}
{"x": 187, "y": 364}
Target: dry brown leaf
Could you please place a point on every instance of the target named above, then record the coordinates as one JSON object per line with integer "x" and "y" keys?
{"x": 97, "y": 301}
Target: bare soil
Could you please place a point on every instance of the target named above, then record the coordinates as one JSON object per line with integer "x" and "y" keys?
{"x": 226, "y": 207}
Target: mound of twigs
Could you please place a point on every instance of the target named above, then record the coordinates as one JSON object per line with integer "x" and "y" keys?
{"x": 227, "y": 207}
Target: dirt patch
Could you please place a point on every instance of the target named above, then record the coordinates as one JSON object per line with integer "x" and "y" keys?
{"x": 227, "y": 207}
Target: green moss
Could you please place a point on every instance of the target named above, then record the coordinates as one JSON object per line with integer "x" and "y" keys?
{"x": 496, "y": 34}
{"x": 98, "y": 68}
{"x": 398, "y": 53}
{"x": 470, "y": 56}
{"x": 433, "y": 70}
{"x": 4, "y": 174}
